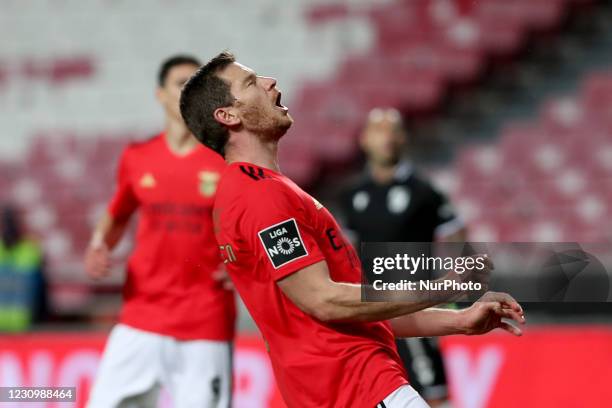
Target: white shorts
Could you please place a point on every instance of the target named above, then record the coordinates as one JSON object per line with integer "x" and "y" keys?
{"x": 136, "y": 363}
{"x": 403, "y": 397}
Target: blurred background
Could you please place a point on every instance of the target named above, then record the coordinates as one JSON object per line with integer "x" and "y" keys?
{"x": 508, "y": 107}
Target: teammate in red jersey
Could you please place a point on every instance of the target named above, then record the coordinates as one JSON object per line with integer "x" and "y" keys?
{"x": 177, "y": 320}
{"x": 297, "y": 275}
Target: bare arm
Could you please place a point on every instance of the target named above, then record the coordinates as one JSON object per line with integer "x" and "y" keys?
{"x": 109, "y": 231}
{"x": 313, "y": 291}
{"x": 106, "y": 235}
{"x": 428, "y": 323}
{"x": 482, "y": 317}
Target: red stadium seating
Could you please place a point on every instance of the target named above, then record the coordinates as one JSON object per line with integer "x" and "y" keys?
{"x": 557, "y": 170}
{"x": 420, "y": 48}
{"x": 64, "y": 181}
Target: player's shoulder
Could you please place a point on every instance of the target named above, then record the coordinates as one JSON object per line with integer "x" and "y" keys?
{"x": 213, "y": 159}
{"x": 359, "y": 180}
{"x": 354, "y": 185}
{"x": 140, "y": 147}
{"x": 419, "y": 182}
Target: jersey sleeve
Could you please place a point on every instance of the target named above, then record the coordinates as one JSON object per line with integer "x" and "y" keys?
{"x": 124, "y": 201}
{"x": 446, "y": 220}
{"x": 276, "y": 228}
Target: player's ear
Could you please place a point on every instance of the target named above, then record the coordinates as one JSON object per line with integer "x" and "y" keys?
{"x": 160, "y": 95}
{"x": 226, "y": 116}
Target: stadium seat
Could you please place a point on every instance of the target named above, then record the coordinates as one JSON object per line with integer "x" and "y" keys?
{"x": 69, "y": 68}
{"x": 562, "y": 115}
{"x": 481, "y": 163}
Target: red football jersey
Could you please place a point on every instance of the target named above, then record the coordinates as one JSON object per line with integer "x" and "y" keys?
{"x": 169, "y": 288}
{"x": 268, "y": 228}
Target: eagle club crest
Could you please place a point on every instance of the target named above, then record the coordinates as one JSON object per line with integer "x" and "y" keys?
{"x": 283, "y": 243}
{"x": 208, "y": 182}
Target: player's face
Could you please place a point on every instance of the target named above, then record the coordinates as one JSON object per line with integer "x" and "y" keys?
{"x": 169, "y": 94}
{"x": 258, "y": 102}
{"x": 383, "y": 140}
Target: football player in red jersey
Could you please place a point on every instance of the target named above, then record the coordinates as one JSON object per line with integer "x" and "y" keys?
{"x": 177, "y": 321}
{"x": 296, "y": 273}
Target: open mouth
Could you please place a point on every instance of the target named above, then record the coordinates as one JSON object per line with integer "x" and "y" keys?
{"x": 278, "y": 102}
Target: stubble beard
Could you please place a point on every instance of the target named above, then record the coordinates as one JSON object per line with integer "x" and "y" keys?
{"x": 268, "y": 124}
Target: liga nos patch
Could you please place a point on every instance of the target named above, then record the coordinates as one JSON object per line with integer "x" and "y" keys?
{"x": 283, "y": 243}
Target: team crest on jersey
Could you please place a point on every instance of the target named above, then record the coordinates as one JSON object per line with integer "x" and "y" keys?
{"x": 208, "y": 182}
{"x": 147, "y": 181}
{"x": 283, "y": 243}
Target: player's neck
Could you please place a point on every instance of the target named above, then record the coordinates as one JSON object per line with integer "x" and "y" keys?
{"x": 382, "y": 173}
{"x": 180, "y": 141}
{"x": 252, "y": 150}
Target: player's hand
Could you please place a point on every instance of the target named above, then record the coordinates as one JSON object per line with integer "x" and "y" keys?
{"x": 487, "y": 314}
{"x": 97, "y": 261}
{"x": 221, "y": 276}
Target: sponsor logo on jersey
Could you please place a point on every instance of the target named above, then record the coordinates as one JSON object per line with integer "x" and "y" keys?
{"x": 147, "y": 181}
{"x": 208, "y": 182}
{"x": 283, "y": 243}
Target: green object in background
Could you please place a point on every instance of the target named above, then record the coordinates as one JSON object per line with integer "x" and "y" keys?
{"x": 24, "y": 256}
{"x": 15, "y": 319}
{"x": 20, "y": 271}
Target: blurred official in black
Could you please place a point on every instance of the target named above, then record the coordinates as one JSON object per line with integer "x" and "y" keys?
{"x": 392, "y": 203}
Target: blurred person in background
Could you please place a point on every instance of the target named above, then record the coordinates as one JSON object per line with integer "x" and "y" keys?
{"x": 23, "y": 291}
{"x": 178, "y": 318}
{"x": 392, "y": 203}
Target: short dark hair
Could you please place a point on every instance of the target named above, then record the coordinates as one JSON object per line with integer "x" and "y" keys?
{"x": 201, "y": 96}
{"x": 168, "y": 64}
